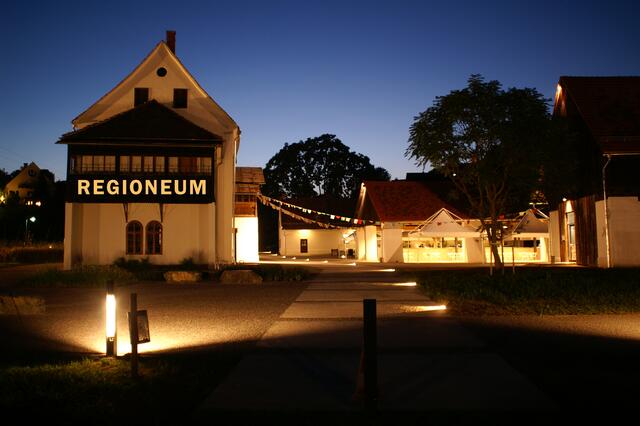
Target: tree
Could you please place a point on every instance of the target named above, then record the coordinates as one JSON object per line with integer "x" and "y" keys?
{"x": 318, "y": 166}
{"x": 490, "y": 142}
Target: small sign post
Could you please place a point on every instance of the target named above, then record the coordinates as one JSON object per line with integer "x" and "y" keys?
{"x": 138, "y": 331}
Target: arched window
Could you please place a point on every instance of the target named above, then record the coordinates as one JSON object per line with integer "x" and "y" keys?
{"x": 154, "y": 237}
{"x": 134, "y": 237}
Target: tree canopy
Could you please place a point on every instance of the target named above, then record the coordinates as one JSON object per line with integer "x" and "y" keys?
{"x": 490, "y": 142}
{"x": 319, "y": 166}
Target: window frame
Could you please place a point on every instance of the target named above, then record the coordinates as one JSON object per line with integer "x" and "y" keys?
{"x": 136, "y": 243}
{"x": 178, "y": 100}
{"x": 153, "y": 238}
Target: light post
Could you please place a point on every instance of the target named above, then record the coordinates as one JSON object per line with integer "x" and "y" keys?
{"x": 31, "y": 219}
{"x": 111, "y": 330}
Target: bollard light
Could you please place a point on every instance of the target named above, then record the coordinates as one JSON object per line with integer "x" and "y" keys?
{"x": 111, "y": 330}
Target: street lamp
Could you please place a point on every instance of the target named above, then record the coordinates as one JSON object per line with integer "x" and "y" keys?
{"x": 31, "y": 219}
{"x": 111, "y": 330}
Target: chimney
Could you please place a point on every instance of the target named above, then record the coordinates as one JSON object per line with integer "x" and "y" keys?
{"x": 171, "y": 41}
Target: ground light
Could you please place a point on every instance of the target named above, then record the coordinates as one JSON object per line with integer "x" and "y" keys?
{"x": 111, "y": 331}
{"x": 408, "y": 284}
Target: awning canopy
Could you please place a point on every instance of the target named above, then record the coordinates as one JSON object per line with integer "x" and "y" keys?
{"x": 530, "y": 226}
{"x": 444, "y": 223}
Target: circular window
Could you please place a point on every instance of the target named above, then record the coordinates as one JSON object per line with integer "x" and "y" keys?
{"x": 161, "y": 72}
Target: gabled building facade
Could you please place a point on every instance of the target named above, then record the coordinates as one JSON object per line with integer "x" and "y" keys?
{"x": 416, "y": 225}
{"x": 27, "y": 183}
{"x": 151, "y": 169}
{"x": 598, "y": 224}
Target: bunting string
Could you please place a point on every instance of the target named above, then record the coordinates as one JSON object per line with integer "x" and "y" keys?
{"x": 287, "y": 208}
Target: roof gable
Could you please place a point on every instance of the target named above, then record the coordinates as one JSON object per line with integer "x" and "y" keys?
{"x": 202, "y": 109}
{"x": 150, "y": 121}
{"x": 402, "y": 200}
{"x": 609, "y": 106}
{"x": 445, "y": 223}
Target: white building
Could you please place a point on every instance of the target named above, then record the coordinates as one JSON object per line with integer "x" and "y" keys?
{"x": 151, "y": 169}
{"x": 418, "y": 226}
{"x": 305, "y": 239}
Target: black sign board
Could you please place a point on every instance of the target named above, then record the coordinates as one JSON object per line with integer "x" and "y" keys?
{"x": 169, "y": 189}
{"x": 142, "y": 326}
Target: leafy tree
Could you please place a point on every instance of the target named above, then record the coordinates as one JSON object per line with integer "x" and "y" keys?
{"x": 319, "y": 166}
{"x": 490, "y": 142}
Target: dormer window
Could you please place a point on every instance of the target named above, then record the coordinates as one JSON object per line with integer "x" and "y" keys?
{"x": 180, "y": 98}
{"x": 140, "y": 95}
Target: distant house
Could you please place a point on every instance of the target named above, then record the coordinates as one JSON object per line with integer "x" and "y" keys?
{"x": 28, "y": 183}
{"x": 599, "y": 224}
{"x": 308, "y": 239}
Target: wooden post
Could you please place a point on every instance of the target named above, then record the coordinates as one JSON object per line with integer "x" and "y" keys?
{"x": 370, "y": 355}
{"x": 133, "y": 334}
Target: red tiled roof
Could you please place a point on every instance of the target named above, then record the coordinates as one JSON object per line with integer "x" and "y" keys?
{"x": 610, "y": 107}
{"x": 403, "y": 200}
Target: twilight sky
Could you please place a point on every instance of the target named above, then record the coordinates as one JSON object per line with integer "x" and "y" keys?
{"x": 286, "y": 71}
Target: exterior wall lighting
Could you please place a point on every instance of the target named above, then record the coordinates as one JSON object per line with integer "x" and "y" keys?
{"x": 111, "y": 329}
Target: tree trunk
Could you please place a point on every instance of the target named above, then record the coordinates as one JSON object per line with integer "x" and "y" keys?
{"x": 492, "y": 232}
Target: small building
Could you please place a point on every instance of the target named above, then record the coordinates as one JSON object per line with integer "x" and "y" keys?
{"x": 310, "y": 233}
{"x": 26, "y": 185}
{"x": 598, "y": 224}
{"x": 248, "y": 181}
{"x": 150, "y": 170}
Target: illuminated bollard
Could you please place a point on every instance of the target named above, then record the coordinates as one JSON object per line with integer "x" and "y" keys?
{"x": 111, "y": 329}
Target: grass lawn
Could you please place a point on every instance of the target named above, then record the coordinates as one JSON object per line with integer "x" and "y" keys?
{"x": 534, "y": 291}
{"x": 101, "y": 391}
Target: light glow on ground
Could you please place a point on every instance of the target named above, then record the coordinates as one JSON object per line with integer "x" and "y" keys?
{"x": 408, "y": 284}
{"x": 425, "y": 308}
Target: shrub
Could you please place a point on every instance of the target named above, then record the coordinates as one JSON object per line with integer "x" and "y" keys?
{"x": 40, "y": 254}
{"x": 274, "y": 272}
{"x": 82, "y": 276}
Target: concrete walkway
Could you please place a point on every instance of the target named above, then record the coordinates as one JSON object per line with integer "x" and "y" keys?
{"x": 308, "y": 360}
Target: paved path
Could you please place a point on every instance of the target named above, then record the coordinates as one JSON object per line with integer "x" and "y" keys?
{"x": 308, "y": 359}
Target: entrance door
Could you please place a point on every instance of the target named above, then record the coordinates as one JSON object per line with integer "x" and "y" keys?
{"x": 304, "y": 248}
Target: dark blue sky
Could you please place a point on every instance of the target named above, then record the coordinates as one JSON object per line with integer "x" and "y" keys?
{"x": 286, "y": 71}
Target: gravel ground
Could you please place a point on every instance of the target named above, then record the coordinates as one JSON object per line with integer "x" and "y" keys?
{"x": 181, "y": 317}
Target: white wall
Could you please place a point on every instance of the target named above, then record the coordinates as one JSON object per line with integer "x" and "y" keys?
{"x": 474, "y": 250}
{"x": 247, "y": 239}
{"x": 361, "y": 242}
{"x": 371, "y": 244}
{"x": 319, "y": 241}
{"x": 96, "y": 233}
{"x": 392, "y": 243}
{"x": 624, "y": 231}
{"x": 554, "y": 236}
